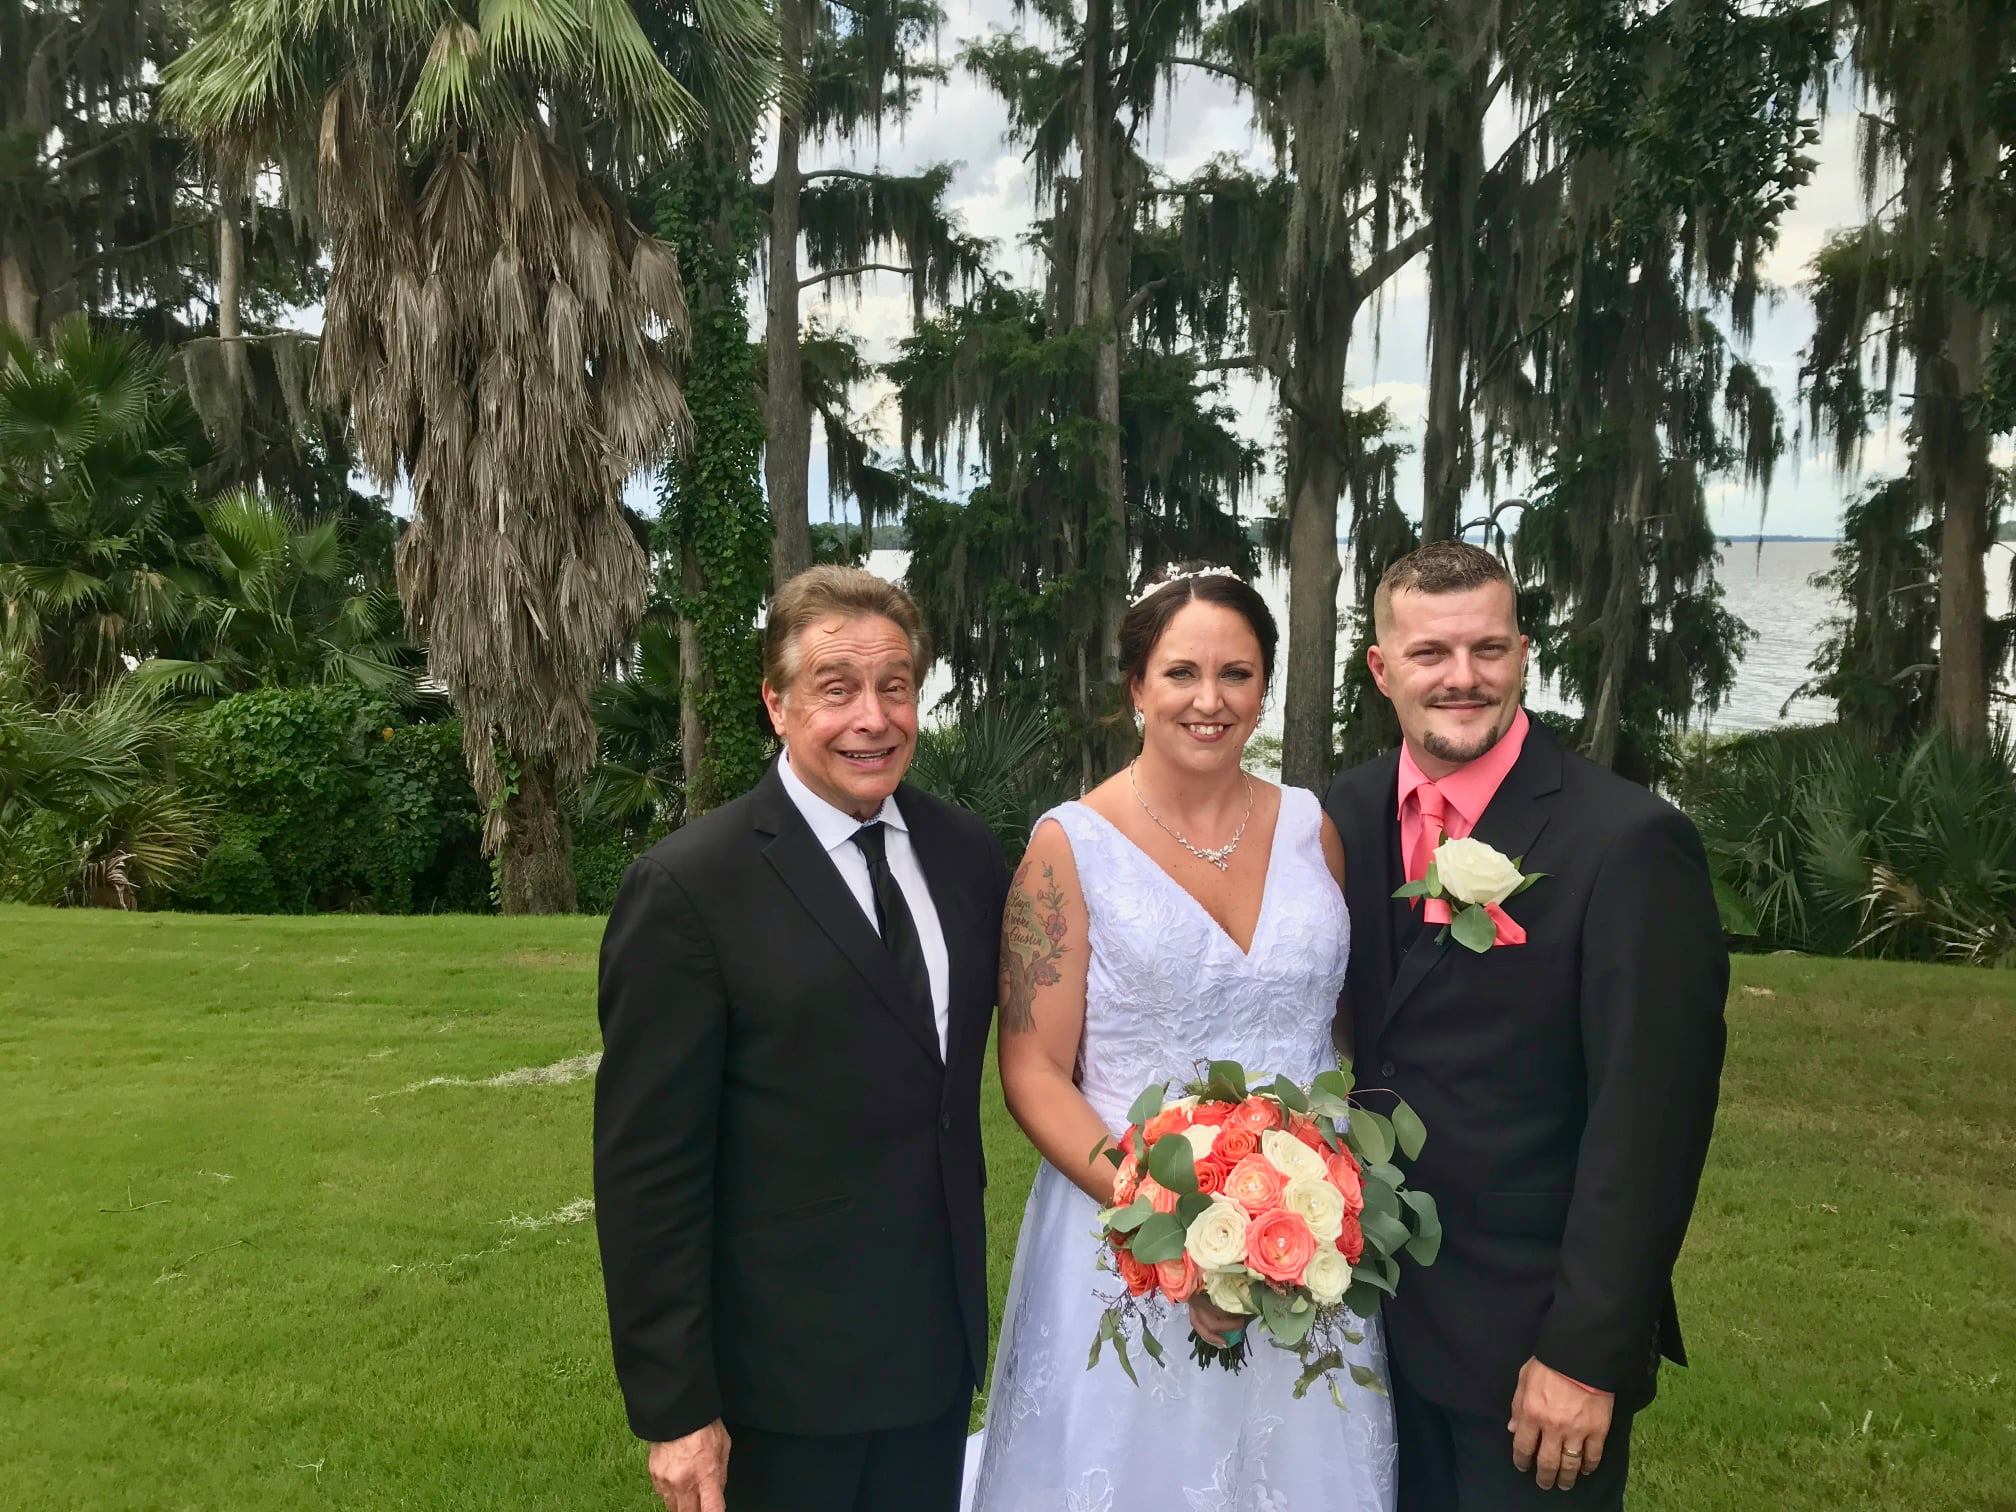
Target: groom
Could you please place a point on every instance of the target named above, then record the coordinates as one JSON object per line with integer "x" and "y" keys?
{"x": 1568, "y": 1083}
{"x": 795, "y": 996}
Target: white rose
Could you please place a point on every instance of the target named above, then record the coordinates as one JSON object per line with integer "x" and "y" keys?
{"x": 1328, "y": 1276}
{"x": 1291, "y": 1157}
{"x": 1217, "y": 1236}
{"x": 1182, "y": 1104}
{"x": 1231, "y": 1291}
{"x": 1317, "y": 1203}
{"x": 1472, "y": 872}
{"x": 1202, "y": 1137}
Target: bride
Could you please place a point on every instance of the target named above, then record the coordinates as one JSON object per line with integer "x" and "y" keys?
{"x": 1181, "y": 912}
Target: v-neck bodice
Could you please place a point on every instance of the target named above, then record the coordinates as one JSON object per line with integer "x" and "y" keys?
{"x": 1167, "y": 988}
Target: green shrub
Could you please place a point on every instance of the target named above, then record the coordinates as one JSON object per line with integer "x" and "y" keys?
{"x": 1840, "y": 849}
{"x": 337, "y": 802}
{"x": 598, "y": 871}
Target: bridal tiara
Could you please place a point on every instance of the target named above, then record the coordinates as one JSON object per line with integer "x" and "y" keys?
{"x": 1184, "y": 576}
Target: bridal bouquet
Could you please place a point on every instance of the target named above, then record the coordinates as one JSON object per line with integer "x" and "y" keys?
{"x": 1280, "y": 1203}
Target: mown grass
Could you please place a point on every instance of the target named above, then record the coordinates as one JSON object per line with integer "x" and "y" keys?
{"x": 245, "y": 1267}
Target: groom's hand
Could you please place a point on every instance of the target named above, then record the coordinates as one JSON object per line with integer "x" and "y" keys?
{"x": 1558, "y": 1427}
{"x": 690, "y": 1474}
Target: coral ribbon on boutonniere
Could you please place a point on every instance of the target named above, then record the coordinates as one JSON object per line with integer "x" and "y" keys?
{"x": 1483, "y": 880}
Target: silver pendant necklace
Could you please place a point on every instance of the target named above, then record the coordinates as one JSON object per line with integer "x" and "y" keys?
{"x": 1221, "y": 856}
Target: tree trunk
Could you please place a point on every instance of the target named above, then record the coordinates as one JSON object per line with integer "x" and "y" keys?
{"x": 535, "y": 860}
{"x": 1309, "y": 689}
{"x": 1315, "y": 481}
{"x": 1603, "y": 722}
{"x": 1962, "y": 448}
{"x": 18, "y": 299}
{"x": 1455, "y": 145}
{"x": 787, "y": 417}
{"x": 1097, "y": 274}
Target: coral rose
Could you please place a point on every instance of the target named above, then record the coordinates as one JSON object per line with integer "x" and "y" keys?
{"x": 1279, "y": 1246}
{"x": 1211, "y": 1176}
{"x": 1351, "y": 1241}
{"x": 1235, "y": 1143}
{"x": 1305, "y": 1130}
{"x": 1159, "y": 1197}
{"x": 1126, "y": 1181}
{"x": 1213, "y": 1113}
{"x": 1168, "y": 1121}
{"x": 1178, "y": 1278}
{"x": 1254, "y": 1184}
{"x": 1343, "y": 1170}
{"x": 1140, "y": 1278}
{"x": 1258, "y": 1114}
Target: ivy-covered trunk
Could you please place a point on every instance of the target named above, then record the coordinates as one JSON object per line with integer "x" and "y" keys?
{"x": 714, "y": 534}
{"x": 535, "y": 872}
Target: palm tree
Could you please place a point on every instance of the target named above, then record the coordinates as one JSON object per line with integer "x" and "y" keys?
{"x": 279, "y": 603}
{"x": 504, "y": 336}
{"x": 97, "y": 528}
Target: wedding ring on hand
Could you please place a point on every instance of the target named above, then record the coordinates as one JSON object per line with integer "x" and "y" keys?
{"x": 1572, "y": 1454}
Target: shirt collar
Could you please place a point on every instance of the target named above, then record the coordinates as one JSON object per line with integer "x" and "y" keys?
{"x": 832, "y": 827}
{"x": 1470, "y": 788}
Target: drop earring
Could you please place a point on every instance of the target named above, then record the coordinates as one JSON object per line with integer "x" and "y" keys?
{"x": 1140, "y": 721}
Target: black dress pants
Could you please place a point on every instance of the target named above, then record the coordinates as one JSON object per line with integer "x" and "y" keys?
{"x": 1454, "y": 1461}
{"x": 910, "y": 1469}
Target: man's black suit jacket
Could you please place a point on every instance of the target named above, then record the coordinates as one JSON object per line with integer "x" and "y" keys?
{"x": 787, "y": 1173}
{"x": 1568, "y": 1084}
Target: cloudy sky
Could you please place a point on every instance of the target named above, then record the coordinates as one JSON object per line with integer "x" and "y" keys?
{"x": 961, "y": 121}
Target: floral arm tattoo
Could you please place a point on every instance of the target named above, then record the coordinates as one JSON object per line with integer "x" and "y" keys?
{"x": 1032, "y": 943}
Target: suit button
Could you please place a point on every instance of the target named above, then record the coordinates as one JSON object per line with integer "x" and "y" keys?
{"x": 1387, "y": 1068}
{"x": 945, "y": 1122}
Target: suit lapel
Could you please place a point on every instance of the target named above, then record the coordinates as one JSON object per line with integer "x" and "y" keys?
{"x": 804, "y": 867}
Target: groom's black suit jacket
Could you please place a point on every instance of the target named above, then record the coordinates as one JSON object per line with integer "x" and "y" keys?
{"x": 1568, "y": 1084}
{"x": 787, "y": 1173}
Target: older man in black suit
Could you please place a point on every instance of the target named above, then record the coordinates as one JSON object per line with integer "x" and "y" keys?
{"x": 795, "y": 998}
{"x": 1568, "y": 1082}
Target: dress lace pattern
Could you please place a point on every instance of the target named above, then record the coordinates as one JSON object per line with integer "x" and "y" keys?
{"x": 1167, "y": 990}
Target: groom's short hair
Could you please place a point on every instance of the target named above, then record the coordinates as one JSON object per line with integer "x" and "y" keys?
{"x": 1439, "y": 567}
{"x": 834, "y": 592}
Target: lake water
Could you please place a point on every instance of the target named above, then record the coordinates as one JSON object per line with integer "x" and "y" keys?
{"x": 1767, "y": 586}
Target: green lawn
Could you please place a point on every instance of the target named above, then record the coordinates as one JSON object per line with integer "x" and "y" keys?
{"x": 246, "y": 1267}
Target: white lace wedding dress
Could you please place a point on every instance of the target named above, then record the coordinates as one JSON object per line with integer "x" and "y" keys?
{"x": 1169, "y": 989}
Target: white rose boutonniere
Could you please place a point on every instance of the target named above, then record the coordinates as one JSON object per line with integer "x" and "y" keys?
{"x": 1483, "y": 880}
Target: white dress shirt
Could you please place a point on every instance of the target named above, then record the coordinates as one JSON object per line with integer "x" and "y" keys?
{"x": 834, "y": 829}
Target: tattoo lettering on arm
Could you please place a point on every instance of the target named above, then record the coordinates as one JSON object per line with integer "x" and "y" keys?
{"x": 1032, "y": 943}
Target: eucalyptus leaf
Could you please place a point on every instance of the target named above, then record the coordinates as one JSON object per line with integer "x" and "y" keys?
{"x": 1170, "y": 1162}
{"x": 1131, "y": 1217}
{"x": 1474, "y": 929}
{"x": 1159, "y": 1238}
{"x": 1232, "y": 1075}
{"x": 1411, "y": 890}
{"x": 1290, "y": 1096}
{"x": 1318, "y": 1368}
{"x": 1365, "y": 1273}
{"x": 1361, "y": 1297}
{"x": 1120, "y": 1348}
{"x": 1151, "y": 1344}
{"x": 1427, "y": 1217}
{"x": 1408, "y": 1130}
{"x": 1389, "y": 1233}
{"x": 1147, "y": 1105}
{"x": 1190, "y": 1207}
{"x": 1432, "y": 881}
{"x": 1368, "y": 1378}
{"x": 1423, "y": 1248}
{"x": 1371, "y": 1136}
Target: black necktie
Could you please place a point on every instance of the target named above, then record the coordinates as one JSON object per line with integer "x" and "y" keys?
{"x": 892, "y": 915}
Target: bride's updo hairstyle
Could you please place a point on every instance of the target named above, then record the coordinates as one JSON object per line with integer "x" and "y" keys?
{"x": 1145, "y": 622}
